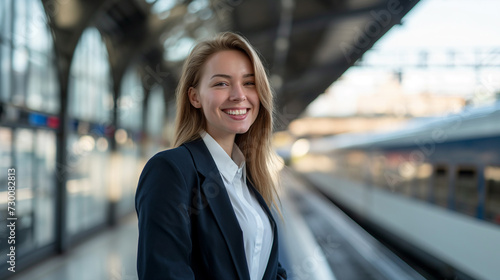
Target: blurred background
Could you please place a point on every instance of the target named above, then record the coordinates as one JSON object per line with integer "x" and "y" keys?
{"x": 387, "y": 123}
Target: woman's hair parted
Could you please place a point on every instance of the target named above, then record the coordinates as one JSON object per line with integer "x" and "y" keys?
{"x": 256, "y": 142}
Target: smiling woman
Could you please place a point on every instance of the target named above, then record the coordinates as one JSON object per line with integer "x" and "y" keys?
{"x": 227, "y": 96}
{"x": 202, "y": 213}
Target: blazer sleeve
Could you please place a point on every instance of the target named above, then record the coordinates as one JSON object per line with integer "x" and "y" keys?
{"x": 162, "y": 203}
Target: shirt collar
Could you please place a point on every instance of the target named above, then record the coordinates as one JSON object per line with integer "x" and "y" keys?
{"x": 228, "y": 166}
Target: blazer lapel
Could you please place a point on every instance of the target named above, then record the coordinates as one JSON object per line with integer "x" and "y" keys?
{"x": 272, "y": 264}
{"x": 220, "y": 204}
{"x": 262, "y": 203}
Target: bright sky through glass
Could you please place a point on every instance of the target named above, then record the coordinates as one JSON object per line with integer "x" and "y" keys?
{"x": 447, "y": 23}
{"x": 462, "y": 26}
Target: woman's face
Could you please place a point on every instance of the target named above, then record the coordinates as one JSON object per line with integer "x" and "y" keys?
{"x": 227, "y": 94}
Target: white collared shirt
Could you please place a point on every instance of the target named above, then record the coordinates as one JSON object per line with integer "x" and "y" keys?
{"x": 253, "y": 220}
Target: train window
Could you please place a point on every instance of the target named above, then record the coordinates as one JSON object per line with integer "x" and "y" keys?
{"x": 377, "y": 167}
{"x": 421, "y": 182}
{"x": 355, "y": 161}
{"x": 492, "y": 180}
{"x": 342, "y": 168}
{"x": 405, "y": 178}
{"x": 466, "y": 193}
{"x": 441, "y": 182}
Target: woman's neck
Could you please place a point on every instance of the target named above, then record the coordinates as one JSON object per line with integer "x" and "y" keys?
{"x": 226, "y": 141}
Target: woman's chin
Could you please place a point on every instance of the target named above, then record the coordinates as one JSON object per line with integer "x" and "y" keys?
{"x": 240, "y": 130}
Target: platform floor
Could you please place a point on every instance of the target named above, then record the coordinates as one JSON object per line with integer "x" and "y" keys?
{"x": 110, "y": 254}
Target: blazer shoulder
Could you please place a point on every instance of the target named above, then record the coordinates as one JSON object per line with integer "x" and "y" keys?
{"x": 179, "y": 156}
{"x": 169, "y": 162}
{"x": 173, "y": 167}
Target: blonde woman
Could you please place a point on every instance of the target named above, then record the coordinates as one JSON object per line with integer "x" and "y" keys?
{"x": 204, "y": 206}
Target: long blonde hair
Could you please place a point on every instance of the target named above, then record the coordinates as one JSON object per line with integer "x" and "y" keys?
{"x": 256, "y": 142}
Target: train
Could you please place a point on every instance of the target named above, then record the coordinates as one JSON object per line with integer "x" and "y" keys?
{"x": 430, "y": 188}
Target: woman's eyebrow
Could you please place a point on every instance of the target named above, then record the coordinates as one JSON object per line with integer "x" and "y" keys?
{"x": 221, "y": 75}
{"x": 230, "y": 77}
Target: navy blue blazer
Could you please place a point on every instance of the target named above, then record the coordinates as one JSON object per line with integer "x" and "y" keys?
{"x": 187, "y": 225}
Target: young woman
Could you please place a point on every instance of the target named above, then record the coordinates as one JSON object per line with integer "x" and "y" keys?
{"x": 204, "y": 206}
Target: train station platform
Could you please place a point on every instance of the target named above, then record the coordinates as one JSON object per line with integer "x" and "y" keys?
{"x": 109, "y": 255}
{"x": 317, "y": 240}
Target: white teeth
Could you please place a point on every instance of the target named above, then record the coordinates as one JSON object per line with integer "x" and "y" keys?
{"x": 236, "y": 112}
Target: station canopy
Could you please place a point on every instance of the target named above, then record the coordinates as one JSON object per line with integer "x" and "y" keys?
{"x": 305, "y": 44}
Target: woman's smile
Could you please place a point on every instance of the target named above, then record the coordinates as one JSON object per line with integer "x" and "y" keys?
{"x": 237, "y": 114}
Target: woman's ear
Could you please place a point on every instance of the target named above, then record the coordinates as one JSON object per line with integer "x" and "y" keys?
{"x": 193, "y": 97}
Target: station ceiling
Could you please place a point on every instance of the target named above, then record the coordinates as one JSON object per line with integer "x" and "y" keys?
{"x": 305, "y": 44}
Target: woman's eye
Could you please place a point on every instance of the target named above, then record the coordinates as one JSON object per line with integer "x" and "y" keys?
{"x": 250, "y": 83}
{"x": 221, "y": 84}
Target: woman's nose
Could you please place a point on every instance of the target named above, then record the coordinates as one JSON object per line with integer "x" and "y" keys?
{"x": 237, "y": 94}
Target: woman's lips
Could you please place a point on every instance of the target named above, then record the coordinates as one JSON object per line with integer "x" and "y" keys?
{"x": 237, "y": 114}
